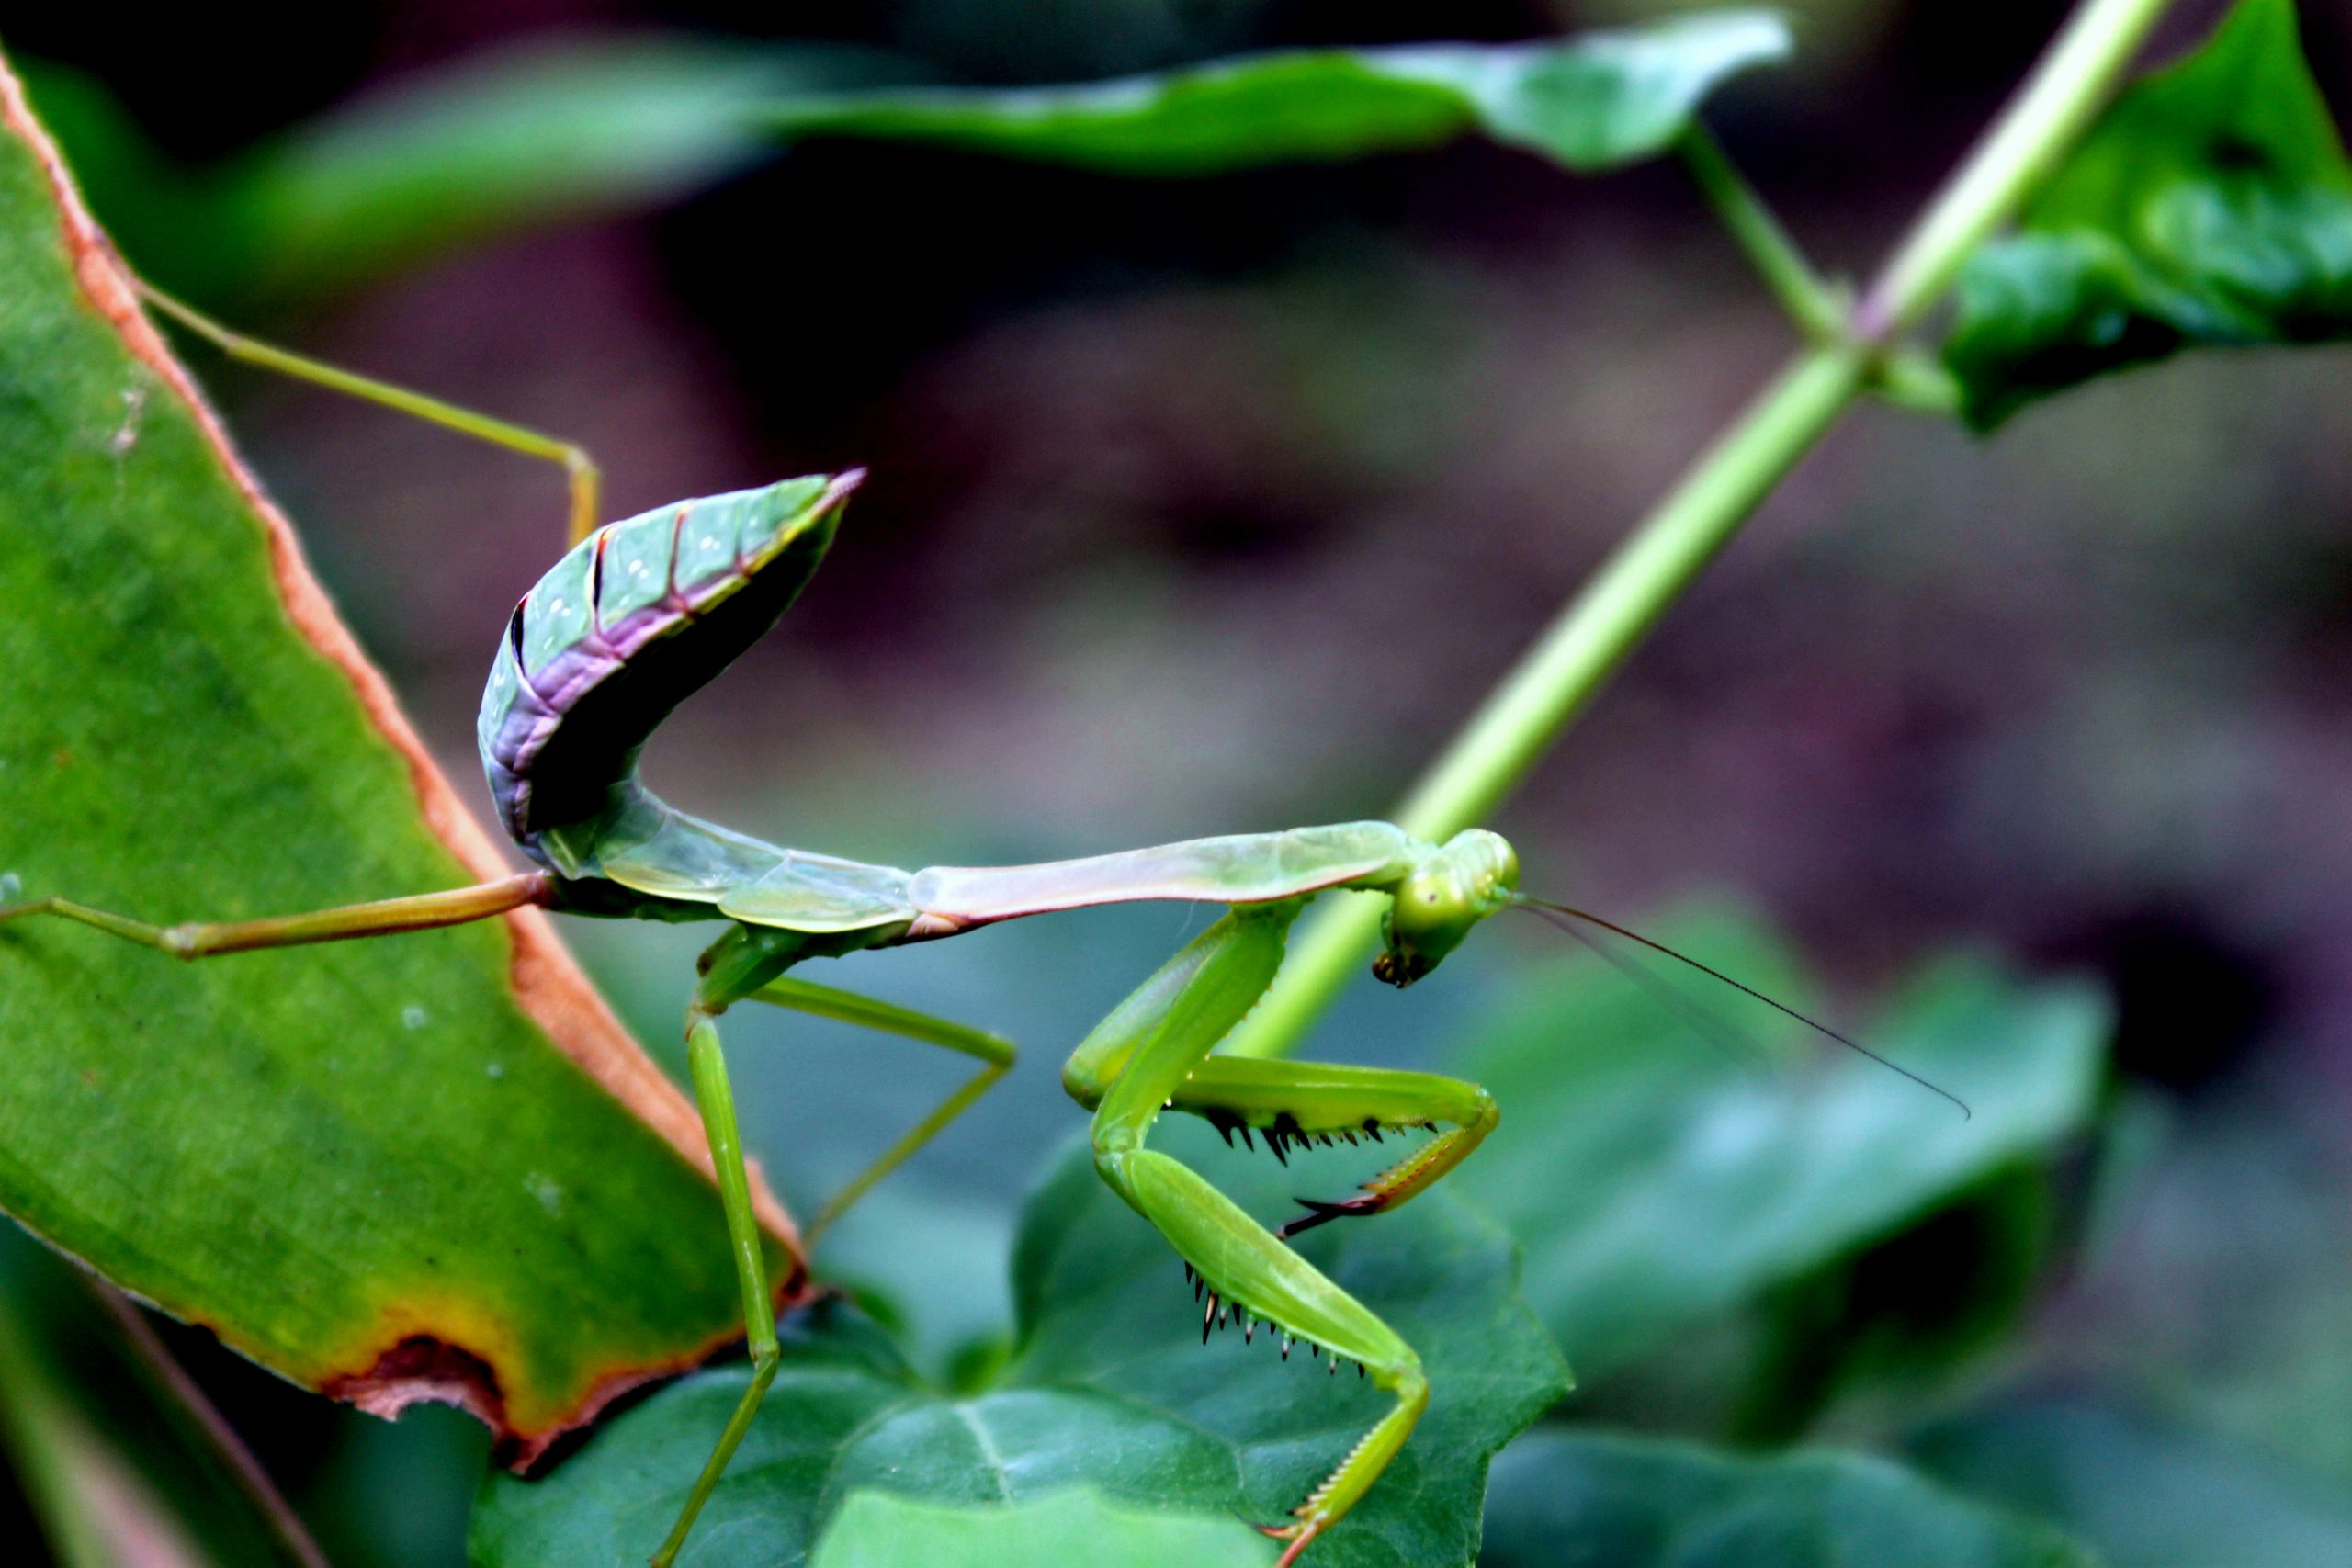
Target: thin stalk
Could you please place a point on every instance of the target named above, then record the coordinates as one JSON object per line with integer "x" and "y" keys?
{"x": 1571, "y": 659}
{"x": 206, "y": 1431}
{"x": 1812, "y": 304}
{"x": 1559, "y": 676}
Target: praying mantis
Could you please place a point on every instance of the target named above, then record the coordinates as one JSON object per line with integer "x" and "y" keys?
{"x": 637, "y": 614}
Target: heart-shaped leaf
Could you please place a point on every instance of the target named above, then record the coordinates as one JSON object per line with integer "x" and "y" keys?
{"x": 1654, "y": 1184}
{"x": 1110, "y": 1386}
{"x": 1563, "y": 1496}
{"x": 2210, "y": 205}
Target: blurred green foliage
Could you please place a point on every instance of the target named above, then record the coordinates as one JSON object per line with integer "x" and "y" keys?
{"x": 1563, "y": 1497}
{"x": 1588, "y": 103}
{"x": 576, "y": 129}
{"x": 1703, "y": 1180}
{"x": 1109, "y": 1383}
{"x": 2146, "y": 1491}
{"x": 538, "y": 133}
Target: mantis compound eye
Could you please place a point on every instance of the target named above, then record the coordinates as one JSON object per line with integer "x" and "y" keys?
{"x": 1437, "y": 903}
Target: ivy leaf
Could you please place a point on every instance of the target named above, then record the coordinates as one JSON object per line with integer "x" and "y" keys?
{"x": 1654, "y": 1184}
{"x": 2210, "y": 206}
{"x": 1110, "y": 1386}
{"x": 1587, "y": 103}
{"x": 1641, "y": 1503}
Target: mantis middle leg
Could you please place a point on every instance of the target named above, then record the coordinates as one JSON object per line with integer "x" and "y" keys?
{"x": 994, "y": 1052}
{"x": 748, "y": 974}
{"x": 1151, "y": 1054}
{"x": 715, "y": 1096}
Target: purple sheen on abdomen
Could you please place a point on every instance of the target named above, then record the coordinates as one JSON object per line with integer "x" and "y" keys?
{"x": 734, "y": 538}
{"x": 543, "y": 701}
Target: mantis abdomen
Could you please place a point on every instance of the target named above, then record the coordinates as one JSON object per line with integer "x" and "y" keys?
{"x": 628, "y": 623}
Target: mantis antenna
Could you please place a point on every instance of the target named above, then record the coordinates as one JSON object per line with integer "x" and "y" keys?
{"x": 1559, "y": 914}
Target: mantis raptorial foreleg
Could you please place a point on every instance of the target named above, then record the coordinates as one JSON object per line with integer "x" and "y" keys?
{"x": 1152, "y": 1053}
{"x": 579, "y": 468}
{"x": 1304, "y": 1102}
{"x": 421, "y": 911}
{"x": 995, "y": 1053}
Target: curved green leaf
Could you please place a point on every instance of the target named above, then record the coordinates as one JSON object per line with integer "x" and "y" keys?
{"x": 2146, "y": 1494}
{"x": 498, "y": 142}
{"x": 595, "y": 125}
{"x": 367, "y": 1166}
{"x": 1560, "y": 1495}
{"x": 1654, "y": 1184}
{"x": 1587, "y": 103}
{"x": 882, "y": 1530}
{"x": 1110, "y": 1386}
{"x": 2210, "y": 206}
{"x": 510, "y": 141}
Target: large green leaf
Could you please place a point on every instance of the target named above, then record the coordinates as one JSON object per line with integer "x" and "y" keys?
{"x": 1655, "y": 1184}
{"x": 2210, "y": 205}
{"x": 1110, "y": 1386}
{"x": 367, "y": 1166}
{"x": 1562, "y": 1496}
{"x": 884, "y": 1529}
{"x": 1587, "y": 103}
{"x": 2148, "y": 1494}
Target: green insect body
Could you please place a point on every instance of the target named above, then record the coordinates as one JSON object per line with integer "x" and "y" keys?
{"x": 640, "y": 614}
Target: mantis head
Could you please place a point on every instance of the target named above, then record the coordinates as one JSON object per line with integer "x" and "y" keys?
{"x": 1475, "y": 873}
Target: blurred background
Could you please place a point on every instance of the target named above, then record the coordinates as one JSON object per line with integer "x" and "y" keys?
{"x": 1209, "y": 506}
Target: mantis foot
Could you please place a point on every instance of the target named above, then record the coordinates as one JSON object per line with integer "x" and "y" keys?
{"x": 1298, "y": 1534}
{"x": 1320, "y": 1212}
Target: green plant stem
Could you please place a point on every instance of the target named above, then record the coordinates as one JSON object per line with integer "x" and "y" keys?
{"x": 1633, "y": 588}
{"x": 1813, "y": 304}
{"x": 2039, "y": 127}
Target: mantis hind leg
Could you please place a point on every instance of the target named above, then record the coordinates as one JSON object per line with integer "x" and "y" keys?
{"x": 580, "y": 469}
{"x": 421, "y": 911}
{"x": 1151, "y": 1048}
